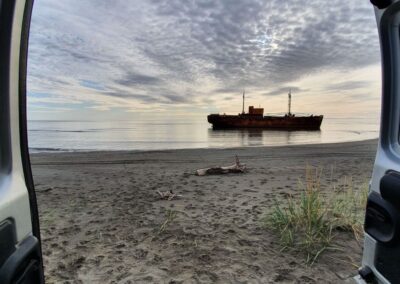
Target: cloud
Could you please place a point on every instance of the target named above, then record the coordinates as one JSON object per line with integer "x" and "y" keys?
{"x": 177, "y": 98}
{"x": 347, "y": 85}
{"x": 284, "y": 90}
{"x": 226, "y": 90}
{"x": 134, "y": 79}
{"x": 162, "y": 52}
{"x": 125, "y": 95}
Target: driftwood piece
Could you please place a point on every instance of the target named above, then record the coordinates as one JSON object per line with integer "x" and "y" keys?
{"x": 167, "y": 195}
{"x": 235, "y": 168}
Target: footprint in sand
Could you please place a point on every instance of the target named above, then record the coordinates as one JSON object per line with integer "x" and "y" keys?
{"x": 140, "y": 253}
{"x": 307, "y": 280}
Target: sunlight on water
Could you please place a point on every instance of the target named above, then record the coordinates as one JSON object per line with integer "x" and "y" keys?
{"x": 158, "y": 135}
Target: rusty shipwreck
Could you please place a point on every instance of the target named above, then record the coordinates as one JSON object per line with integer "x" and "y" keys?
{"x": 255, "y": 119}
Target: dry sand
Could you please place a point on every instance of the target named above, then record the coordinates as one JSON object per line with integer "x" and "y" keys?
{"x": 101, "y": 217}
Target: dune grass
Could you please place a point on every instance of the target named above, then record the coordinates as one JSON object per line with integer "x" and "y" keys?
{"x": 307, "y": 223}
{"x": 347, "y": 207}
{"x": 170, "y": 216}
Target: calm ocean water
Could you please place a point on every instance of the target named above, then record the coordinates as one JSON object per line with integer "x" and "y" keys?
{"x": 49, "y": 136}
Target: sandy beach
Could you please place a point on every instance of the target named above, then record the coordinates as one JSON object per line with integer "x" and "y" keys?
{"x": 102, "y": 221}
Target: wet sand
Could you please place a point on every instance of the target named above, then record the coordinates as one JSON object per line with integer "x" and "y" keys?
{"x": 102, "y": 221}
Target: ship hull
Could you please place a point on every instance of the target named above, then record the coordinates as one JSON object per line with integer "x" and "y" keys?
{"x": 265, "y": 122}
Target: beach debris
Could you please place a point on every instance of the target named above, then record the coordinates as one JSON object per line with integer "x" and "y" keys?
{"x": 235, "y": 168}
{"x": 168, "y": 195}
{"x": 44, "y": 190}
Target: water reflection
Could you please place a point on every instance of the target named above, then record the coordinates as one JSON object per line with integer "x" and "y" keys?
{"x": 260, "y": 137}
{"x": 155, "y": 135}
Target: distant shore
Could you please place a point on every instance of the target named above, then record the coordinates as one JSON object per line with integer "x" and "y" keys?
{"x": 101, "y": 216}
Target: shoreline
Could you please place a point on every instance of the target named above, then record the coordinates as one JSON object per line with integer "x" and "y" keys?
{"x": 65, "y": 151}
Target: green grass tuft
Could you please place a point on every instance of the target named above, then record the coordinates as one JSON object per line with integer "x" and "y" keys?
{"x": 347, "y": 207}
{"x": 306, "y": 224}
{"x": 170, "y": 216}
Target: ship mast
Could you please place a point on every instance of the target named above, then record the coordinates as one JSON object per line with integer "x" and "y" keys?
{"x": 290, "y": 101}
{"x": 243, "y": 102}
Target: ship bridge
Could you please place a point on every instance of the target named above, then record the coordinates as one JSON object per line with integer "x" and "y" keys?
{"x": 256, "y": 111}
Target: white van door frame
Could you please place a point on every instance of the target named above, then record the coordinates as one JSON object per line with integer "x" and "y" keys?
{"x": 381, "y": 254}
{"x": 20, "y": 249}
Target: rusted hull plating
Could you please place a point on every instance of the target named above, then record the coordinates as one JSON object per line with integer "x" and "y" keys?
{"x": 266, "y": 122}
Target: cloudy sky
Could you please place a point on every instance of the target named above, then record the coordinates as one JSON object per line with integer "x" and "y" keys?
{"x": 91, "y": 59}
